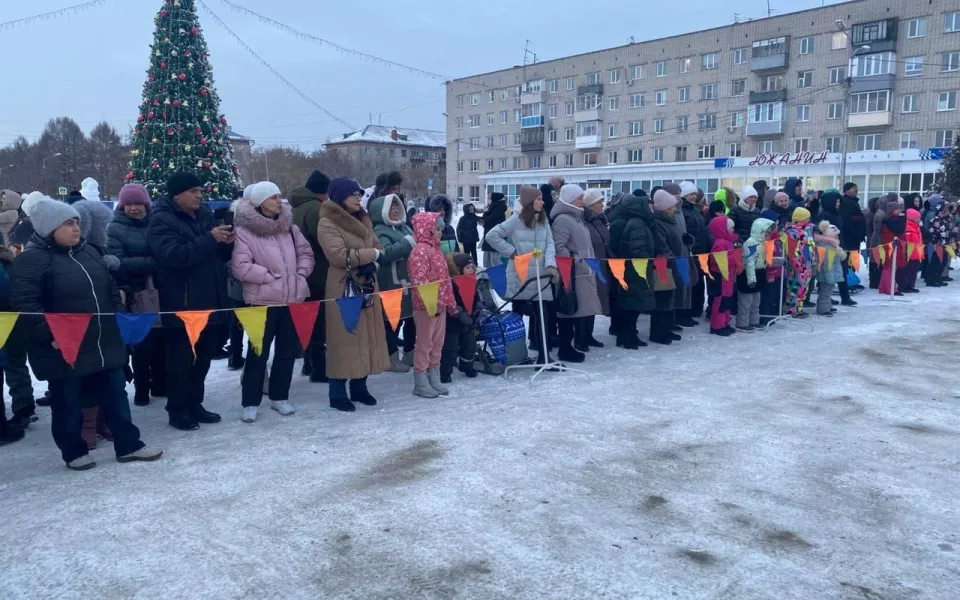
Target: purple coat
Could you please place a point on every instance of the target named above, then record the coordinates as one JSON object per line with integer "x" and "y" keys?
{"x": 270, "y": 257}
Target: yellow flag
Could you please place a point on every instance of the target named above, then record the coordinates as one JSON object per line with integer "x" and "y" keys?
{"x": 430, "y": 295}
{"x": 883, "y": 254}
{"x": 7, "y": 321}
{"x": 704, "y": 260}
{"x": 721, "y": 259}
{"x": 640, "y": 266}
{"x": 910, "y": 248}
{"x": 950, "y": 250}
{"x": 254, "y": 321}
{"x": 831, "y": 256}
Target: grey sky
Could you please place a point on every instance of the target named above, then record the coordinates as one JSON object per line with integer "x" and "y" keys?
{"x": 92, "y": 66}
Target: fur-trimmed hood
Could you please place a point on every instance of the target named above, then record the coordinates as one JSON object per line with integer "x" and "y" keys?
{"x": 247, "y": 216}
{"x": 438, "y": 203}
{"x": 358, "y": 223}
{"x": 380, "y": 210}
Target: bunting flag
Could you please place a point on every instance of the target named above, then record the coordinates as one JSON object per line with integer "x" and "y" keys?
{"x": 467, "y": 288}
{"x": 194, "y": 321}
{"x": 854, "y": 258}
{"x": 721, "y": 259}
{"x": 565, "y": 266}
{"x": 68, "y": 330}
{"x": 929, "y": 249}
{"x": 430, "y": 295}
{"x": 791, "y": 246}
{"x": 938, "y": 249}
{"x": 683, "y": 268}
{"x": 738, "y": 259}
{"x": 304, "y": 316}
{"x": 768, "y": 248}
{"x": 704, "y": 260}
{"x": 392, "y": 302}
{"x": 498, "y": 278}
{"x": 950, "y": 251}
{"x": 618, "y": 267}
{"x": 821, "y": 254}
{"x": 640, "y": 266}
{"x": 660, "y": 266}
{"x": 522, "y": 264}
{"x": 883, "y": 254}
{"x": 911, "y": 248}
{"x": 875, "y": 254}
{"x": 134, "y": 327}
{"x": 254, "y": 321}
{"x": 831, "y": 257}
{"x": 594, "y": 264}
{"x": 920, "y": 251}
{"x": 7, "y": 321}
{"x": 351, "y": 306}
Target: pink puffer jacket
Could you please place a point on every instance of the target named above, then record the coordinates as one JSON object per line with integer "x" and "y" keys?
{"x": 270, "y": 257}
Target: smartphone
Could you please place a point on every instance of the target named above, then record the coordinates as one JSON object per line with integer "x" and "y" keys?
{"x": 228, "y": 220}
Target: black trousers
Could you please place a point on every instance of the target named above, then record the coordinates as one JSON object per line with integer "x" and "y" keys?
{"x": 661, "y": 322}
{"x": 875, "y": 273}
{"x": 17, "y": 373}
{"x": 459, "y": 342}
{"x": 585, "y": 327}
{"x": 281, "y": 333}
{"x": 186, "y": 374}
{"x": 471, "y": 249}
{"x": 150, "y": 364}
{"x": 236, "y": 337}
{"x": 933, "y": 271}
{"x": 628, "y": 323}
{"x": 770, "y": 298}
{"x": 842, "y": 286}
{"x": 315, "y": 358}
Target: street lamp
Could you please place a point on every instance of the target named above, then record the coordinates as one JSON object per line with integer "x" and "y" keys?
{"x": 43, "y": 164}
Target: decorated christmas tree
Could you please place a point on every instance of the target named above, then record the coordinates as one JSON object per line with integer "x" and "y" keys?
{"x": 180, "y": 127}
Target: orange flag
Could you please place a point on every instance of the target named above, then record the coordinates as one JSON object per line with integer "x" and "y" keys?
{"x": 854, "y": 258}
{"x": 768, "y": 247}
{"x": 392, "y": 301}
{"x": 721, "y": 259}
{"x": 821, "y": 254}
{"x": 704, "y": 260}
{"x": 194, "y": 321}
{"x": 522, "y": 264}
{"x": 618, "y": 266}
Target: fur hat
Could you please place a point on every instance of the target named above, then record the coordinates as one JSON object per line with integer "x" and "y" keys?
{"x": 591, "y": 197}
{"x": 663, "y": 200}
{"x": 800, "y": 215}
{"x": 496, "y": 197}
{"x": 263, "y": 190}
{"x": 749, "y": 190}
{"x": 94, "y": 218}
{"x": 181, "y": 182}
{"x": 318, "y": 183}
{"x": 394, "y": 178}
{"x": 570, "y": 192}
{"x": 48, "y": 214}
{"x": 528, "y": 194}
{"x": 133, "y": 193}
{"x": 687, "y": 188}
{"x": 342, "y": 188}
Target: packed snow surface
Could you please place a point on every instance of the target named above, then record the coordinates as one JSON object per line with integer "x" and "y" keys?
{"x": 785, "y": 464}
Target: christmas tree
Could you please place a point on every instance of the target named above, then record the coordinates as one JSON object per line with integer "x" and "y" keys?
{"x": 948, "y": 179}
{"x": 180, "y": 127}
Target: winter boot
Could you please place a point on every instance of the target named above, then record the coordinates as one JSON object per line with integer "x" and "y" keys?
{"x": 396, "y": 364}
{"x": 446, "y": 377}
{"x": 407, "y": 359}
{"x": 467, "y": 367}
{"x": 143, "y": 455}
{"x": 283, "y": 407}
{"x": 433, "y": 377}
{"x": 567, "y": 352}
{"x": 723, "y": 332}
{"x": 9, "y": 433}
{"x": 88, "y": 430}
{"x": 338, "y": 396}
{"x": 235, "y": 363}
{"x": 141, "y": 397}
{"x": 422, "y": 387}
{"x": 44, "y": 400}
{"x": 22, "y": 418}
{"x": 359, "y": 393}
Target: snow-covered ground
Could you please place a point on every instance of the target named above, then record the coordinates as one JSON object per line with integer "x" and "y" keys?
{"x": 785, "y": 464}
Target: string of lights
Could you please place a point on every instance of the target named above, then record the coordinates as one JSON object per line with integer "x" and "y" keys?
{"x": 53, "y": 14}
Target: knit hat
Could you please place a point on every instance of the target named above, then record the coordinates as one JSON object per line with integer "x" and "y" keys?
{"x": 687, "y": 188}
{"x": 30, "y": 200}
{"x": 247, "y": 190}
{"x": 496, "y": 197}
{"x": 528, "y": 194}
{"x": 47, "y": 214}
{"x": 675, "y": 190}
{"x": 462, "y": 261}
{"x": 663, "y": 200}
{"x": 133, "y": 193}
{"x": 749, "y": 190}
{"x": 591, "y": 197}
{"x": 800, "y": 215}
{"x": 570, "y": 192}
{"x": 892, "y": 205}
{"x": 182, "y": 181}
{"x": 318, "y": 183}
{"x": 933, "y": 200}
{"x": 263, "y": 190}
{"x": 342, "y": 188}
{"x": 781, "y": 196}
{"x": 639, "y": 193}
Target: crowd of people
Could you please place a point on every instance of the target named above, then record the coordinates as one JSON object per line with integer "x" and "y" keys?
{"x": 333, "y": 239}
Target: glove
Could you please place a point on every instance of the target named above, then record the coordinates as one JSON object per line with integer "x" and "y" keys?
{"x": 688, "y": 239}
{"x": 465, "y": 318}
{"x": 554, "y": 274}
{"x": 112, "y": 262}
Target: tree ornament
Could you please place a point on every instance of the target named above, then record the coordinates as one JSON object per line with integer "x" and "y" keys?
{"x": 170, "y": 131}
{"x": 151, "y": 114}
{"x": 216, "y": 131}
{"x": 163, "y": 65}
{"x": 154, "y": 191}
{"x": 155, "y": 164}
{"x": 150, "y": 79}
{"x": 194, "y": 31}
{"x": 156, "y": 102}
{"x": 164, "y": 13}
{"x": 182, "y": 76}
{"x": 203, "y": 91}
{"x": 176, "y": 103}
{"x": 153, "y": 141}
{"x": 172, "y": 165}
{"x": 135, "y": 152}
{"x": 203, "y": 141}
{"x": 186, "y": 52}
{"x": 210, "y": 153}
{"x": 199, "y": 163}
{"x": 205, "y": 118}
{"x": 174, "y": 52}
{"x": 198, "y": 131}
{"x": 223, "y": 120}
{"x": 186, "y": 103}
{"x": 173, "y": 76}
{"x": 190, "y": 65}
{"x": 158, "y": 53}
{"x": 140, "y": 119}
{"x": 206, "y": 164}
{"x": 166, "y": 101}
{"x": 130, "y": 176}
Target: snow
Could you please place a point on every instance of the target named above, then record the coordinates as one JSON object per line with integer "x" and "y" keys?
{"x": 382, "y": 133}
{"x": 784, "y": 464}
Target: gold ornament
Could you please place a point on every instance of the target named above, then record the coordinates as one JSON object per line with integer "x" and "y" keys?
{"x": 190, "y": 65}
{"x": 205, "y": 118}
{"x": 158, "y": 53}
{"x": 187, "y": 148}
{"x": 154, "y": 191}
{"x": 153, "y": 141}
{"x": 135, "y": 152}
{"x": 186, "y": 103}
{"x": 171, "y": 165}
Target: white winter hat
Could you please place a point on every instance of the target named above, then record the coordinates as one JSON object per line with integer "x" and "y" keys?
{"x": 592, "y": 196}
{"x": 49, "y": 214}
{"x": 263, "y": 190}
{"x": 247, "y": 190}
{"x": 687, "y": 188}
{"x": 570, "y": 192}
{"x": 749, "y": 190}
{"x": 30, "y": 200}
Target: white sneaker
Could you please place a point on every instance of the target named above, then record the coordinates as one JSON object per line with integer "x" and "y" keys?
{"x": 283, "y": 407}
{"x": 249, "y": 414}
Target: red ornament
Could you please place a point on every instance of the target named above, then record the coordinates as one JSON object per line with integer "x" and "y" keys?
{"x": 206, "y": 164}
{"x": 198, "y": 131}
{"x": 170, "y": 131}
{"x": 151, "y": 115}
{"x": 182, "y": 76}
{"x": 176, "y": 103}
{"x": 186, "y": 52}
{"x": 164, "y": 13}
{"x": 216, "y": 130}
{"x": 149, "y": 78}
{"x": 209, "y": 188}
{"x": 156, "y": 102}
{"x": 163, "y": 65}
{"x": 210, "y": 153}
{"x": 130, "y": 176}
{"x": 203, "y": 91}
{"x": 194, "y": 31}
{"x": 140, "y": 119}
{"x": 236, "y": 170}
{"x": 203, "y": 140}
{"x": 223, "y": 121}
{"x": 155, "y": 164}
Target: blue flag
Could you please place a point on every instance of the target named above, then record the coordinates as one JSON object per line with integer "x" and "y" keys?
{"x": 930, "y": 252}
{"x": 683, "y": 268}
{"x": 134, "y": 327}
{"x": 350, "y": 308}
{"x": 498, "y": 278}
{"x": 595, "y": 265}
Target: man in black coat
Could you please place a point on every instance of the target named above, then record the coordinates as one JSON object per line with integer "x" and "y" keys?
{"x": 467, "y": 230}
{"x": 192, "y": 256}
{"x": 854, "y": 230}
{"x": 549, "y": 191}
{"x": 495, "y": 214}
{"x": 697, "y": 228}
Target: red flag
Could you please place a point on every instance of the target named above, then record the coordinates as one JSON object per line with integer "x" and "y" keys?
{"x": 565, "y": 266}
{"x": 304, "y": 317}
{"x": 938, "y": 249}
{"x": 467, "y": 288}
{"x": 68, "y": 330}
{"x": 660, "y": 264}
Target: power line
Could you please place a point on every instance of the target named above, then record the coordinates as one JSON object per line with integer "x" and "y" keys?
{"x": 69, "y": 10}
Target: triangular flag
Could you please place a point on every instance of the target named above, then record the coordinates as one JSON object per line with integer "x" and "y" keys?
{"x": 7, "y": 321}
{"x": 875, "y": 254}
{"x": 768, "y": 248}
{"x": 704, "y": 260}
{"x": 640, "y": 266}
{"x": 522, "y": 264}
{"x": 619, "y": 266}
{"x": 254, "y": 321}
{"x": 392, "y": 302}
{"x": 791, "y": 245}
{"x": 194, "y": 321}
{"x": 68, "y": 330}
{"x": 738, "y": 259}
{"x": 683, "y": 268}
{"x": 498, "y": 279}
{"x": 854, "y": 258}
{"x": 883, "y": 254}
{"x": 594, "y": 264}
{"x": 430, "y": 294}
{"x": 721, "y": 259}
{"x": 821, "y": 254}
{"x": 660, "y": 266}
{"x": 304, "y": 316}
{"x": 911, "y": 248}
{"x": 467, "y": 288}
{"x": 938, "y": 249}
{"x": 565, "y": 266}
{"x": 929, "y": 250}
{"x": 831, "y": 256}
{"x": 134, "y": 327}
{"x": 350, "y": 308}
{"x": 950, "y": 251}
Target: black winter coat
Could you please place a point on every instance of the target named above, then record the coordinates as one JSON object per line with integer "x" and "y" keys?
{"x": 697, "y": 227}
{"x": 51, "y": 278}
{"x": 668, "y": 242}
{"x": 854, "y": 230}
{"x": 192, "y": 263}
{"x": 631, "y": 236}
{"x": 127, "y": 240}
{"x": 742, "y": 221}
{"x": 467, "y": 226}
{"x": 830, "y": 211}
{"x": 495, "y": 214}
{"x": 546, "y": 190}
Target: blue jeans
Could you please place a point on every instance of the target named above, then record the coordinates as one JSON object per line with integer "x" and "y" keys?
{"x": 108, "y": 387}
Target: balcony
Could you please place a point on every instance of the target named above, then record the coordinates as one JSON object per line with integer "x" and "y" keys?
{"x": 596, "y": 88}
{"x": 527, "y": 122}
{"x": 590, "y": 114}
{"x": 531, "y": 140}
{"x": 765, "y": 128}
{"x": 773, "y": 62}
{"x": 871, "y": 83}
{"x": 881, "y": 36}
{"x": 531, "y": 97}
{"x": 870, "y": 119}
{"x": 587, "y": 142}
{"x": 765, "y": 97}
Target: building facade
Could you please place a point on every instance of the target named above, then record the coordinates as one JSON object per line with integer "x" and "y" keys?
{"x": 877, "y": 80}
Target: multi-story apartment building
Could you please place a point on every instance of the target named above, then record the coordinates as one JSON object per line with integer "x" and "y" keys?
{"x": 419, "y": 153}
{"x": 785, "y": 96}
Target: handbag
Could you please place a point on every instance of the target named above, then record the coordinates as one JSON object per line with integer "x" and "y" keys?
{"x": 146, "y": 300}
{"x": 352, "y": 287}
{"x": 565, "y": 301}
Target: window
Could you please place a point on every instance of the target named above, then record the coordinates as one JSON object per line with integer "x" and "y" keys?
{"x": 490, "y": 141}
{"x": 568, "y": 160}
{"x": 589, "y": 159}
{"x": 635, "y": 128}
{"x": 870, "y": 141}
{"x": 474, "y": 143}
{"x": 950, "y": 62}
{"x": 708, "y": 121}
{"x": 762, "y": 113}
{"x": 460, "y": 101}
{"x": 736, "y": 120}
{"x": 474, "y": 98}
{"x": 568, "y": 134}
{"x": 552, "y": 136}
{"x": 908, "y": 140}
{"x": 683, "y": 94}
{"x": 685, "y": 65}
{"x": 707, "y": 151}
{"x": 517, "y": 163}
{"x": 588, "y": 128}
{"x": 569, "y": 83}
{"x": 516, "y": 115}
{"x": 911, "y": 103}
{"x": 837, "y": 75}
{"x": 593, "y": 78}
{"x": 503, "y": 164}
{"x": 805, "y": 79}
{"x": 613, "y": 129}
{"x": 708, "y": 91}
{"x": 739, "y": 87}
{"x": 806, "y": 45}
{"x": 553, "y": 111}
{"x": 681, "y": 153}
{"x": 554, "y": 86}
{"x": 531, "y": 110}
{"x": 635, "y": 156}
{"x": 682, "y": 124}
{"x": 569, "y": 108}
{"x": 534, "y": 162}
{"x": 636, "y": 72}
{"x": 736, "y": 149}
{"x": 801, "y": 145}
{"x": 833, "y": 144}
{"x": 766, "y": 147}
{"x": 951, "y": 22}
{"x": 882, "y": 63}
{"x": 504, "y": 95}
{"x": 489, "y": 164}
{"x": 661, "y": 97}
{"x": 615, "y": 76}
{"x": 589, "y": 101}
{"x": 834, "y": 111}
{"x": 917, "y": 28}
{"x": 870, "y": 102}
{"x": 490, "y": 119}
{"x": 474, "y": 193}
{"x": 503, "y": 140}
{"x": 658, "y": 126}
{"x": 771, "y": 47}
{"x": 740, "y": 56}
{"x": 474, "y": 166}
{"x": 474, "y": 120}
{"x": 662, "y": 69}
{"x": 612, "y": 157}
{"x": 491, "y": 97}
{"x": 913, "y": 65}
{"x": 516, "y": 139}
{"x": 869, "y": 32}
{"x": 552, "y": 161}
{"x": 945, "y": 138}
{"x": 504, "y": 117}
{"x": 460, "y": 166}
{"x": 459, "y": 122}
{"x": 658, "y": 155}
{"x": 772, "y": 83}
{"x": 803, "y": 113}
{"x": 947, "y": 101}
{"x": 614, "y": 103}
{"x": 636, "y": 100}
{"x": 710, "y": 61}
{"x": 838, "y": 41}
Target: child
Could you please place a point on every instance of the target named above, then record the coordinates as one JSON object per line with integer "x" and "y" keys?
{"x": 720, "y": 289}
{"x": 427, "y": 265}
{"x": 754, "y": 276}
{"x": 893, "y": 227}
{"x": 799, "y": 261}
{"x": 908, "y": 283}
{"x": 460, "y": 342}
{"x": 829, "y": 272}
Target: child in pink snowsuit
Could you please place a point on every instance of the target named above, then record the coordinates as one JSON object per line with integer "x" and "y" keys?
{"x": 720, "y": 289}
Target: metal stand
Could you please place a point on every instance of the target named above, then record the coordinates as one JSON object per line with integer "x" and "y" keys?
{"x": 780, "y": 317}
{"x": 550, "y": 365}
{"x": 893, "y": 274}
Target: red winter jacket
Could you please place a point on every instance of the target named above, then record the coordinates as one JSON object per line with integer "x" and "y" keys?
{"x": 427, "y": 264}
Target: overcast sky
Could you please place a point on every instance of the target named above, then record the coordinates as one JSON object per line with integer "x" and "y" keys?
{"x": 91, "y": 66}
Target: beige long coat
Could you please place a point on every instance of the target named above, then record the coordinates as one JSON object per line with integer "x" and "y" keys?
{"x": 364, "y": 352}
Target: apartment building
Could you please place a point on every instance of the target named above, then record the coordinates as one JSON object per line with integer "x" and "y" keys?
{"x": 376, "y": 148}
{"x": 772, "y": 98}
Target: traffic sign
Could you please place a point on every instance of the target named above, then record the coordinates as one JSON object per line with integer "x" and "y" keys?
{"x": 62, "y": 191}
{"x": 429, "y": 184}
